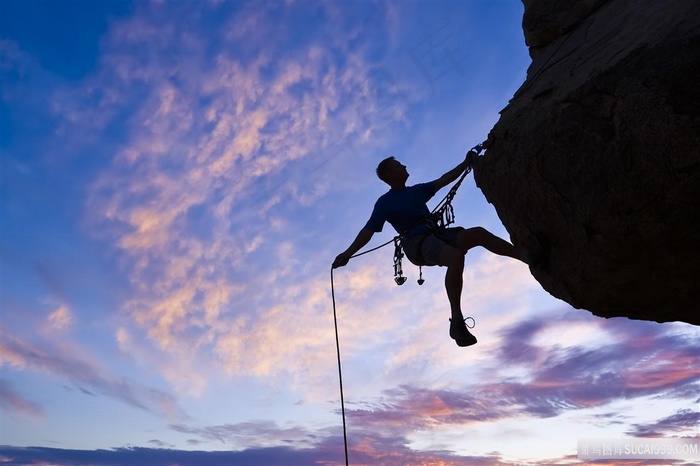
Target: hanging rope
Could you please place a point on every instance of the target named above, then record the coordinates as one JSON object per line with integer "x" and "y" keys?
{"x": 340, "y": 371}
{"x": 443, "y": 214}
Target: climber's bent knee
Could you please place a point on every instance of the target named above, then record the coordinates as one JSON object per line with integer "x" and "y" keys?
{"x": 472, "y": 237}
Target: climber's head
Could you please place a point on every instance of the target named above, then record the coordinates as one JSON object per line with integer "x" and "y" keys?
{"x": 392, "y": 172}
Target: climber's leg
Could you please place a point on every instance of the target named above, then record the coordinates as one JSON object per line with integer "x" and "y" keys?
{"x": 453, "y": 258}
{"x": 479, "y": 236}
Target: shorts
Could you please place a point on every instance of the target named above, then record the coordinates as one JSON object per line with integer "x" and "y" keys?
{"x": 425, "y": 248}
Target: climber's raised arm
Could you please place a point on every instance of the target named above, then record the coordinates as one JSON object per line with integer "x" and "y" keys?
{"x": 450, "y": 176}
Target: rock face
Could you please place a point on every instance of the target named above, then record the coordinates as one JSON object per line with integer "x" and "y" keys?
{"x": 599, "y": 150}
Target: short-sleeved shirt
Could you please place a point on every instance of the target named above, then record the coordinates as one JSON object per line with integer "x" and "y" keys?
{"x": 405, "y": 209}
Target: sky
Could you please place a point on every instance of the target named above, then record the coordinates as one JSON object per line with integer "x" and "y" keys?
{"x": 176, "y": 179}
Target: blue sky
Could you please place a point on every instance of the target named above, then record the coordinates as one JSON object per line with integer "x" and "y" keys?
{"x": 177, "y": 178}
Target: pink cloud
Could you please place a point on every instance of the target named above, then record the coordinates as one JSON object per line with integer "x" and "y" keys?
{"x": 12, "y": 401}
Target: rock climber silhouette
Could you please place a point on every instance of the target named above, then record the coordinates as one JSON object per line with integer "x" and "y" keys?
{"x": 405, "y": 208}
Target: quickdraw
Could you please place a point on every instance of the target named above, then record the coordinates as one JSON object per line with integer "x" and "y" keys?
{"x": 398, "y": 255}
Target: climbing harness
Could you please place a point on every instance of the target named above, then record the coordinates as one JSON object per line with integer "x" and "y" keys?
{"x": 442, "y": 216}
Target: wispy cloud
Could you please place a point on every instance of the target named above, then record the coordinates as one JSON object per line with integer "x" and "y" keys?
{"x": 684, "y": 421}
{"x": 21, "y": 354}
{"x": 61, "y": 319}
{"x": 252, "y": 434}
{"x": 13, "y": 402}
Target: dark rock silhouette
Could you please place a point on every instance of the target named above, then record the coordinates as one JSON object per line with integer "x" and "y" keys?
{"x": 599, "y": 150}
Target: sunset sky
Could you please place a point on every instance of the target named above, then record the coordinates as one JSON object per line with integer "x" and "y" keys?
{"x": 176, "y": 179}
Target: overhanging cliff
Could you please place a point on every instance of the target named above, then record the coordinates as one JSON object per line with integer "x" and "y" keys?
{"x": 599, "y": 150}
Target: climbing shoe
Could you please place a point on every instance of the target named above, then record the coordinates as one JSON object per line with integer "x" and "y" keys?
{"x": 460, "y": 334}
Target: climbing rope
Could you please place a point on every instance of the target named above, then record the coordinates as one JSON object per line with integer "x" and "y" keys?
{"x": 340, "y": 371}
{"x": 442, "y": 215}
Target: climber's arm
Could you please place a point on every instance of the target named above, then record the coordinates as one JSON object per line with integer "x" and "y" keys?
{"x": 361, "y": 240}
{"x": 450, "y": 176}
